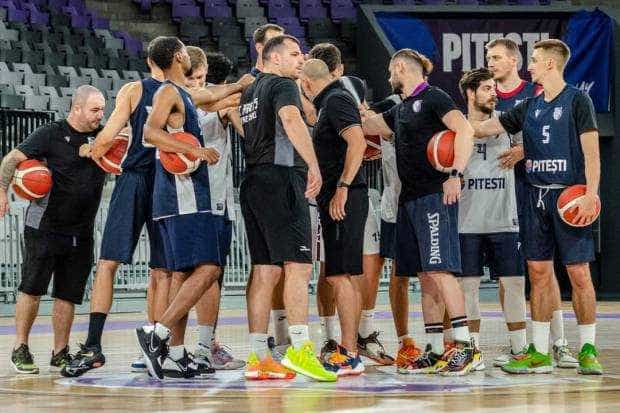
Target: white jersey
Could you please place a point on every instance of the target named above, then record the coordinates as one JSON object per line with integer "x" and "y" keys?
{"x": 220, "y": 173}
{"x": 488, "y": 202}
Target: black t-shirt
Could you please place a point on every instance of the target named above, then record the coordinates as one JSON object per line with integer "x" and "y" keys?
{"x": 337, "y": 112}
{"x": 265, "y": 139}
{"x": 72, "y": 204}
{"x": 414, "y": 122}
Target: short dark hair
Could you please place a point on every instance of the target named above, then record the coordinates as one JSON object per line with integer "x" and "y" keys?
{"x": 276, "y": 42}
{"x": 471, "y": 80}
{"x": 261, "y": 32}
{"x": 219, "y": 68}
{"x": 162, "y": 50}
{"x": 509, "y": 44}
{"x": 328, "y": 53}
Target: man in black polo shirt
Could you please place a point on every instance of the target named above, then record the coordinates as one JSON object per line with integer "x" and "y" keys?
{"x": 58, "y": 233}
{"x": 282, "y": 170}
{"x": 343, "y": 202}
{"x": 427, "y": 239}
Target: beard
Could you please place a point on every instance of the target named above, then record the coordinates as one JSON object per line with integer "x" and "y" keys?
{"x": 486, "y": 108}
{"x": 397, "y": 88}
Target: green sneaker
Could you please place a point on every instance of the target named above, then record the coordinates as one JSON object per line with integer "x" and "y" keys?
{"x": 531, "y": 362}
{"x": 305, "y": 362}
{"x": 60, "y": 360}
{"x": 21, "y": 360}
{"x": 588, "y": 364}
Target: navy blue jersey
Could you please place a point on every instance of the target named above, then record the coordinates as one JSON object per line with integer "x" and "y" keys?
{"x": 551, "y": 136}
{"x": 508, "y": 100}
{"x": 182, "y": 194}
{"x": 140, "y": 155}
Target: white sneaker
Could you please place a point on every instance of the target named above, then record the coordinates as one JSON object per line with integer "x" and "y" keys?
{"x": 219, "y": 357}
{"x": 478, "y": 363}
{"x": 138, "y": 365}
{"x": 563, "y": 357}
{"x": 178, "y": 369}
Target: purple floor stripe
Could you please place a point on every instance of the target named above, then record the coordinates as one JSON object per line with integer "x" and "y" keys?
{"x": 233, "y": 321}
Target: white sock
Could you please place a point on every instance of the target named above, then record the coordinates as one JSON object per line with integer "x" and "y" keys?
{"x": 280, "y": 326}
{"x": 436, "y": 342}
{"x": 557, "y": 327}
{"x": 162, "y": 331}
{"x": 367, "y": 325}
{"x": 587, "y": 334}
{"x": 258, "y": 344}
{"x": 206, "y": 335}
{"x": 540, "y": 336}
{"x": 299, "y": 335}
{"x": 448, "y": 335}
{"x": 401, "y": 339}
{"x": 176, "y": 352}
{"x": 329, "y": 326}
{"x": 476, "y": 338}
{"x": 518, "y": 340}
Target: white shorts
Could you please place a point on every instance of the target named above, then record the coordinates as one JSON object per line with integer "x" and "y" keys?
{"x": 372, "y": 233}
{"x": 317, "y": 235}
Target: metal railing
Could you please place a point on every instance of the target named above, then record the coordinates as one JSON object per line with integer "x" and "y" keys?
{"x": 15, "y": 125}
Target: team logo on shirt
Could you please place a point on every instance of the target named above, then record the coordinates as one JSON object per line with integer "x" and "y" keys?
{"x": 417, "y": 105}
{"x": 536, "y": 113}
{"x": 557, "y": 113}
{"x": 546, "y": 165}
{"x": 518, "y": 101}
{"x": 67, "y": 139}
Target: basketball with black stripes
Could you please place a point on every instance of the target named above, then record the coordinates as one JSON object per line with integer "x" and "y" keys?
{"x": 32, "y": 180}
{"x": 440, "y": 150}
{"x": 180, "y": 163}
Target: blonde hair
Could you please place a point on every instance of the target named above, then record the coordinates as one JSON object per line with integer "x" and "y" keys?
{"x": 197, "y": 57}
{"x": 415, "y": 57}
{"x": 316, "y": 69}
{"x": 556, "y": 47}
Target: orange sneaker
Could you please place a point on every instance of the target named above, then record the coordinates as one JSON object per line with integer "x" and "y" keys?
{"x": 266, "y": 369}
{"x": 407, "y": 353}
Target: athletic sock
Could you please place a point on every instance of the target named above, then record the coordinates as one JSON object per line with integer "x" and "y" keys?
{"x": 329, "y": 326}
{"x": 401, "y": 339}
{"x": 280, "y": 327}
{"x": 448, "y": 335}
{"x": 176, "y": 352}
{"x": 461, "y": 331}
{"x": 540, "y": 336}
{"x": 162, "y": 331}
{"x": 299, "y": 335}
{"x": 518, "y": 340}
{"x": 95, "y": 329}
{"x": 206, "y": 335}
{"x": 476, "y": 338}
{"x": 258, "y": 344}
{"x": 434, "y": 336}
{"x": 587, "y": 334}
{"x": 557, "y": 327}
{"x": 367, "y": 325}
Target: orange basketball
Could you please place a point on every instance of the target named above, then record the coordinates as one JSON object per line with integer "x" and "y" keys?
{"x": 566, "y": 204}
{"x": 32, "y": 180}
{"x": 373, "y": 147}
{"x": 180, "y": 163}
{"x": 440, "y": 150}
{"x": 113, "y": 159}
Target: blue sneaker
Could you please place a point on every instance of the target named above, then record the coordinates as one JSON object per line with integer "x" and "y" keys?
{"x": 344, "y": 363}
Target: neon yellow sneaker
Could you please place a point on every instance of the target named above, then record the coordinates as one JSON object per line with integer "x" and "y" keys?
{"x": 531, "y": 362}
{"x": 588, "y": 364}
{"x": 305, "y": 362}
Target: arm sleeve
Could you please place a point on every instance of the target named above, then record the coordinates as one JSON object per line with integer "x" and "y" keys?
{"x": 36, "y": 145}
{"x": 513, "y": 119}
{"x": 442, "y": 103}
{"x": 584, "y": 114}
{"x": 342, "y": 112}
{"x": 390, "y": 116}
{"x": 285, "y": 93}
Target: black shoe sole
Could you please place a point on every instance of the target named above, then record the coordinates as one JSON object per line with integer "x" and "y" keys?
{"x": 152, "y": 363}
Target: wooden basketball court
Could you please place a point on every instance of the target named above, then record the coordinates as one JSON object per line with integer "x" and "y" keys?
{"x": 113, "y": 387}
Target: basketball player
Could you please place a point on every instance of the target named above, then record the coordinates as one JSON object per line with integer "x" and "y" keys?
{"x": 427, "y": 232}
{"x": 279, "y": 155}
{"x": 214, "y": 125}
{"x": 181, "y": 211}
{"x": 488, "y": 223}
{"x": 503, "y": 57}
{"x": 343, "y": 202}
{"x": 560, "y": 141}
{"x": 58, "y": 232}
{"x": 368, "y": 337}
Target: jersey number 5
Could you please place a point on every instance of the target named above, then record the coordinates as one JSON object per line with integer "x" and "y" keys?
{"x": 546, "y": 134}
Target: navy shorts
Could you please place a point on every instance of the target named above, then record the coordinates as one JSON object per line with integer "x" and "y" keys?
{"x": 387, "y": 247}
{"x": 191, "y": 240}
{"x": 130, "y": 209}
{"x": 225, "y": 237}
{"x": 500, "y": 252}
{"x": 427, "y": 236}
{"x": 544, "y": 231}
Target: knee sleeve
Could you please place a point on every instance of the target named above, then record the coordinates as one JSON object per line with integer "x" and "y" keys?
{"x": 514, "y": 298}
{"x": 471, "y": 289}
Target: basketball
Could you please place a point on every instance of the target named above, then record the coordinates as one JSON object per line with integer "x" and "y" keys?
{"x": 440, "y": 150}
{"x": 373, "y": 147}
{"x": 566, "y": 204}
{"x": 32, "y": 180}
{"x": 180, "y": 163}
{"x": 112, "y": 160}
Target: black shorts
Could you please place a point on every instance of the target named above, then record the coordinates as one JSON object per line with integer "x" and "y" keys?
{"x": 498, "y": 251}
{"x": 388, "y": 240}
{"x": 276, "y": 216}
{"x": 68, "y": 258}
{"x": 344, "y": 240}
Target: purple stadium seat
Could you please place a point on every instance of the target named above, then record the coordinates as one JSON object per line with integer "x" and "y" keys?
{"x": 279, "y": 8}
{"x": 433, "y": 2}
{"x": 13, "y": 13}
{"x": 132, "y": 45}
{"x": 404, "y": 2}
{"x": 35, "y": 16}
{"x": 342, "y": 9}
{"x": 182, "y": 9}
{"x": 100, "y": 23}
{"x": 528, "y": 2}
{"x": 211, "y": 12}
{"x": 468, "y": 2}
{"x": 56, "y": 4}
{"x": 146, "y": 5}
{"x": 292, "y": 26}
{"x": 311, "y": 9}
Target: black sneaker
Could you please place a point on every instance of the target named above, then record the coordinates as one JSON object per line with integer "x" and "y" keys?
{"x": 461, "y": 360}
{"x": 154, "y": 349}
{"x": 60, "y": 360}
{"x": 202, "y": 366}
{"x": 22, "y": 362}
{"x": 329, "y": 347}
{"x": 87, "y": 358}
{"x": 372, "y": 348}
{"x": 178, "y": 369}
